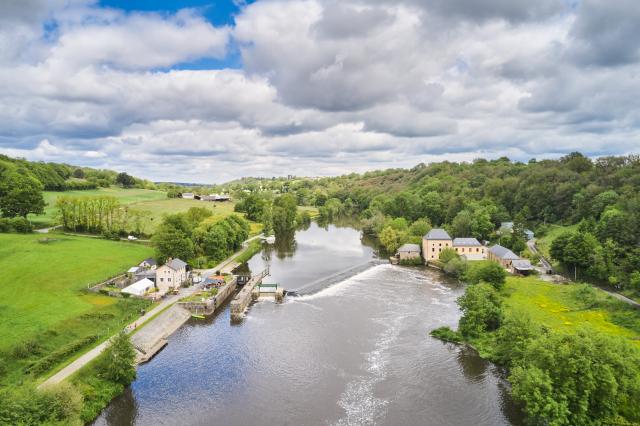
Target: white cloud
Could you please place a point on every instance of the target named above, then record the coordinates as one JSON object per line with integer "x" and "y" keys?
{"x": 326, "y": 87}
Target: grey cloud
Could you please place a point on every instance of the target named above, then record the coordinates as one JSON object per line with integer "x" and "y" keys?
{"x": 606, "y": 33}
{"x": 341, "y": 20}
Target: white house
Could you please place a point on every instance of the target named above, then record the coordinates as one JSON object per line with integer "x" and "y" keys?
{"x": 139, "y": 288}
{"x": 171, "y": 275}
{"x": 188, "y": 195}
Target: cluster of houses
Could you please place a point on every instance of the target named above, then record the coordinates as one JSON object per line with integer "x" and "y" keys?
{"x": 148, "y": 277}
{"x": 437, "y": 240}
{"x": 210, "y": 197}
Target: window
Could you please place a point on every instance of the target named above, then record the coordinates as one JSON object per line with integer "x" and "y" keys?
{"x": 433, "y": 249}
{"x": 169, "y": 279}
{"x": 161, "y": 279}
{"x": 440, "y": 244}
{"x": 477, "y": 249}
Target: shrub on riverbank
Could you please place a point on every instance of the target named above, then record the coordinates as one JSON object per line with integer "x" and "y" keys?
{"x": 56, "y": 405}
{"x": 446, "y": 334}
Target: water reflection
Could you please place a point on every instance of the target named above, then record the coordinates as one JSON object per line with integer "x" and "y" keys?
{"x": 473, "y": 367}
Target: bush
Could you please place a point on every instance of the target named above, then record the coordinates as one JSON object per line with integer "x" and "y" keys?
{"x": 416, "y": 261}
{"x": 60, "y": 404}
{"x": 585, "y": 295}
{"x": 15, "y": 224}
{"x": 447, "y": 335}
{"x": 447, "y": 254}
{"x": 47, "y": 363}
{"x": 481, "y": 310}
{"x": 456, "y": 267}
{"x": 27, "y": 348}
{"x": 490, "y": 272}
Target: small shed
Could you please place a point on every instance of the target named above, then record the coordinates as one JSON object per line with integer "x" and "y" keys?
{"x": 409, "y": 251}
{"x": 521, "y": 266}
{"x": 139, "y": 288}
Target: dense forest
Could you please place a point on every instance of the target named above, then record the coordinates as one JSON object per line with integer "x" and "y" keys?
{"x": 472, "y": 199}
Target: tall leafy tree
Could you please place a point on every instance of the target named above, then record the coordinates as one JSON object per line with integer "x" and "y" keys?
{"x": 20, "y": 194}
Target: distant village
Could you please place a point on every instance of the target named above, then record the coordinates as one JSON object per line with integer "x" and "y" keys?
{"x": 437, "y": 240}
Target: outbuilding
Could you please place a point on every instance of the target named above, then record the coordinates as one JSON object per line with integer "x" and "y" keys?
{"x": 470, "y": 248}
{"x": 409, "y": 251}
{"x": 139, "y": 288}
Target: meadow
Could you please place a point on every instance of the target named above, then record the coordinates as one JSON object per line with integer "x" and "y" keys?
{"x": 125, "y": 196}
{"x": 47, "y": 318}
{"x": 159, "y": 208}
{"x": 567, "y": 307}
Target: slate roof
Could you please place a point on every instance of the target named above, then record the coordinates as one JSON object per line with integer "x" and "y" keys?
{"x": 437, "y": 234}
{"x": 407, "y": 248}
{"x": 457, "y": 242}
{"x": 522, "y": 265}
{"x": 176, "y": 264}
{"x": 133, "y": 269}
{"x": 503, "y": 252}
{"x": 150, "y": 261}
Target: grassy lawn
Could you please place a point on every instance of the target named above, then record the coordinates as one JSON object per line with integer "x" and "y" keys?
{"x": 555, "y": 306}
{"x": 126, "y": 196}
{"x": 158, "y": 208}
{"x": 544, "y": 243}
{"x": 42, "y": 307}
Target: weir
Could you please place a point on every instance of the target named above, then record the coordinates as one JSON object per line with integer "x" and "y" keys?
{"x": 240, "y": 303}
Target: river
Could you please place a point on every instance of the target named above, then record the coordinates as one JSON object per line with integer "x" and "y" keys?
{"x": 351, "y": 349}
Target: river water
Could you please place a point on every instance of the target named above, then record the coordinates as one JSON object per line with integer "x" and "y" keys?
{"x": 351, "y": 349}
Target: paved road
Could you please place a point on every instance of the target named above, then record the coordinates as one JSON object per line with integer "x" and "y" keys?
{"x": 46, "y": 230}
{"x": 93, "y": 353}
{"x": 184, "y": 292}
{"x": 552, "y": 278}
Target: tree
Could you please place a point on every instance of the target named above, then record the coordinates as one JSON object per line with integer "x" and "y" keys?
{"x": 125, "y": 180}
{"x": 172, "y": 242}
{"x": 284, "y": 214}
{"x": 481, "y": 310}
{"x": 447, "y": 254}
{"x": 21, "y": 195}
{"x": 420, "y": 227}
{"x": 391, "y": 239}
{"x": 583, "y": 378}
{"x": 120, "y": 359}
{"x": 490, "y": 272}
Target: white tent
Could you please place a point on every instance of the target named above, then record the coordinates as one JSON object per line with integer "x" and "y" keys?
{"x": 139, "y": 288}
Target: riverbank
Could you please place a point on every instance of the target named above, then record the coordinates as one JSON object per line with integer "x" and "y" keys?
{"x": 539, "y": 329}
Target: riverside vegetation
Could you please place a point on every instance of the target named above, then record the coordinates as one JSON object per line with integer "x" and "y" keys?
{"x": 571, "y": 350}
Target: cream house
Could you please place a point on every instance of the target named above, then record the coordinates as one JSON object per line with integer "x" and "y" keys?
{"x": 171, "y": 275}
{"x": 409, "y": 251}
{"x": 469, "y": 248}
{"x": 434, "y": 242}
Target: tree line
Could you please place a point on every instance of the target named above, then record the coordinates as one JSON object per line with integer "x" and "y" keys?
{"x": 473, "y": 199}
{"x": 199, "y": 238}
{"x": 101, "y": 215}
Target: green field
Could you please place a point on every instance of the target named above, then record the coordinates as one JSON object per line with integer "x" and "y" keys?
{"x": 126, "y": 196}
{"x": 159, "y": 208}
{"x": 555, "y": 306}
{"x": 42, "y": 305}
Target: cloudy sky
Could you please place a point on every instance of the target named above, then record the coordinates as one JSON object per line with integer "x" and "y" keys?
{"x": 206, "y": 91}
